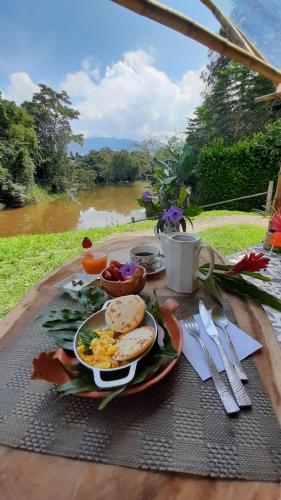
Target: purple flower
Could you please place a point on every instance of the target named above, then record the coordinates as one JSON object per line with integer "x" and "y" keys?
{"x": 172, "y": 214}
{"x": 127, "y": 270}
{"x": 147, "y": 196}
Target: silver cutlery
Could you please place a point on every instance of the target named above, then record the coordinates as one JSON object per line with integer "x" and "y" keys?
{"x": 220, "y": 319}
{"x": 238, "y": 388}
{"x": 224, "y": 393}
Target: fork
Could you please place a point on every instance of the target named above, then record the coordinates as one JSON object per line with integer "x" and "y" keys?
{"x": 220, "y": 319}
{"x": 224, "y": 393}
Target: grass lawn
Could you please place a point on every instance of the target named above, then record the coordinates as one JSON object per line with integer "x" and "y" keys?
{"x": 24, "y": 260}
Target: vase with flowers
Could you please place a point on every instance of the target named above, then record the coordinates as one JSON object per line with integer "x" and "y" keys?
{"x": 169, "y": 203}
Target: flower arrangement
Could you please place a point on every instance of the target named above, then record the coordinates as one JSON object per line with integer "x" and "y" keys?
{"x": 231, "y": 278}
{"x": 169, "y": 203}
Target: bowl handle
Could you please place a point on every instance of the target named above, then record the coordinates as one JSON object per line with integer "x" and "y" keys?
{"x": 106, "y": 384}
{"x": 106, "y": 304}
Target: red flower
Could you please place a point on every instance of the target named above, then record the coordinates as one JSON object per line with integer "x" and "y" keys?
{"x": 275, "y": 239}
{"x": 276, "y": 221}
{"x": 251, "y": 262}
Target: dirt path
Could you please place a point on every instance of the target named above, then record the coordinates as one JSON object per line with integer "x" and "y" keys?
{"x": 220, "y": 220}
{"x": 201, "y": 224}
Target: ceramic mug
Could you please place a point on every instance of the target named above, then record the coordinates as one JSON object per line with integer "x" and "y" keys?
{"x": 181, "y": 252}
{"x": 145, "y": 256}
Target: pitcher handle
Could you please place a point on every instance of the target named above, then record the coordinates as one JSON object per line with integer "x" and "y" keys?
{"x": 200, "y": 275}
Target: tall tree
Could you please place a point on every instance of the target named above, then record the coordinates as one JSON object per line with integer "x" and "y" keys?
{"x": 52, "y": 113}
{"x": 229, "y": 109}
{"x": 18, "y": 149}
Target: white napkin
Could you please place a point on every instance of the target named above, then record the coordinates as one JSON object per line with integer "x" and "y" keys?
{"x": 243, "y": 343}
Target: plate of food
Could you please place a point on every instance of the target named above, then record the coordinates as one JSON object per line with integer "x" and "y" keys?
{"x": 120, "y": 346}
{"x": 112, "y": 341}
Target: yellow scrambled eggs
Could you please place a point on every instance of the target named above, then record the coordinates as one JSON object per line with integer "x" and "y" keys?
{"x": 101, "y": 351}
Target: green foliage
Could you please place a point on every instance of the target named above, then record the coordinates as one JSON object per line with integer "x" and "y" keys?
{"x": 62, "y": 325}
{"x": 122, "y": 167}
{"x": 240, "y": 169}
{"x": 107, "y": 166}
{"x": 237, "y": 285}
{"x": 18, "y": 148}
{"x": 86, "y": 336}
{"x": 51, "y": 112}
{"x": 229, "y": 109}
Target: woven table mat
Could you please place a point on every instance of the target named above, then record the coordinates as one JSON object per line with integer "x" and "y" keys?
{"x": 178, "y": 425}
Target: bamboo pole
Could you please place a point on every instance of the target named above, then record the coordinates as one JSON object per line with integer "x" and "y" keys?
{"x": 270, "y": 97}
{"x": 257, "y": 52}
{"x": 236, "y": 36}
{"x": 183, "y": 24}
{"x": 269, "y": 195}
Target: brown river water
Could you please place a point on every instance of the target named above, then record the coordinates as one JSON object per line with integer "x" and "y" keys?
{"x": 101, "y": 206}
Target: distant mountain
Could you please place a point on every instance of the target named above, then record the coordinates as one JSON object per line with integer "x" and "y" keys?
{"x": 103, "y": 142}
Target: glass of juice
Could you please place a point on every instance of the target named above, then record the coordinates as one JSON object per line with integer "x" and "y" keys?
{"x": 94, "y": 262}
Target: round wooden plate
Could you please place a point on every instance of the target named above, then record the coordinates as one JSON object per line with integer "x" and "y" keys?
{"x": 49, "y": 366}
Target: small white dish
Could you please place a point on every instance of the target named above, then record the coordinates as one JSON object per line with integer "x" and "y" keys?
{"x": 161, "y": 265}
{"x": 68, "y": 283}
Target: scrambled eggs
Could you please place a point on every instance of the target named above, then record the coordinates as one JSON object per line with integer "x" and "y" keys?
{"x": 101, "y": 351}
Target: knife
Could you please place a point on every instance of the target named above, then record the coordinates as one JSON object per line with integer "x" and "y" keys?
{"x": 238, "y": 388}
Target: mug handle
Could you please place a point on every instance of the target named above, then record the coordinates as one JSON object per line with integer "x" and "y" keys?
{"x": 200, "y": 275}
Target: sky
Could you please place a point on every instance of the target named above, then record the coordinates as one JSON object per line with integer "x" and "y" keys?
{"x": 128, "y": 76}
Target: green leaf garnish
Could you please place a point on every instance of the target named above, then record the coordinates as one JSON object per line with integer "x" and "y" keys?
{"x": 86, "y": 336}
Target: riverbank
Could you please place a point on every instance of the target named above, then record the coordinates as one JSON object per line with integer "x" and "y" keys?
{"x": 24, "y": 260}
{"x": 98, "y": 206}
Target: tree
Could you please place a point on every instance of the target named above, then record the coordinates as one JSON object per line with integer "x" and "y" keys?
{"x": 99, "y": 162}
{"x": 122, "y": 167}
{"x": 229, "y": 109}
{"x": 18, "y": 149}
{"x": 52, "y": 113}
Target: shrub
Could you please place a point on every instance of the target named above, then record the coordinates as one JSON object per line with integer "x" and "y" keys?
{"x": 244, "y": 168}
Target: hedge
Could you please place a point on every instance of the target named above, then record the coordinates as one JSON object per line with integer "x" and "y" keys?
{"x": 244, "y": 168}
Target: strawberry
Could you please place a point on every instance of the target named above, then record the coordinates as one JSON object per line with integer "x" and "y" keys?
{"x": 86, "y": 243}
{"x": 107, "y": 275}
{"x": 115, "y": 263}
{"x": 116, "y": 274}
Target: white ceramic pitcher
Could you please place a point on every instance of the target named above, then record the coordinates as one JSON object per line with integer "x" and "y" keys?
{"x": 181, "y": 252}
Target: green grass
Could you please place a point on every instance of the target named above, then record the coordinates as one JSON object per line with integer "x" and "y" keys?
{"x": 232, "y": 238}
{"x": 217, "y": 213}
{"x": 24, "y": 260}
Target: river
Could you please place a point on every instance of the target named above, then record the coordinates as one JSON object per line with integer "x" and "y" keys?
{"x": 101, "y": 206}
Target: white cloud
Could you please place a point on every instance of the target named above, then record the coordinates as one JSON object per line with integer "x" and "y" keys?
{"x": 20, "y": 88}
{"x": 132, "y": 99}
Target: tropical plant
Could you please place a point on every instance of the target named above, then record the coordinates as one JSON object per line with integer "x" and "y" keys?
{"x": 170, "y": 200}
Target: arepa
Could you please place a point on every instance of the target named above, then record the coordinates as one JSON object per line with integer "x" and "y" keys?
{"x": 125, "y": 313}
{"x": 132, "y": 344}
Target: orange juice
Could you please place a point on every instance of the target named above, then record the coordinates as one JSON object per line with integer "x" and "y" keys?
{"x": 94, "y": 262}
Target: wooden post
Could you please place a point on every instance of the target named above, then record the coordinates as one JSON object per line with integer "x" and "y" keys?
{"x": 277, "y": 196}
{"x": 269, "y": 195}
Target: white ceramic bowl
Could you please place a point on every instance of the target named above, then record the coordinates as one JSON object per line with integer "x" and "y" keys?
{"x": 97, "y": 321}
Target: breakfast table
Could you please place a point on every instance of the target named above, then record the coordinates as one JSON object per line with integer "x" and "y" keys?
{"x": 30, "y": 475}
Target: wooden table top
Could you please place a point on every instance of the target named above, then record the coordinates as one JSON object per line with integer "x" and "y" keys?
{"x": 32, "y": 476}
